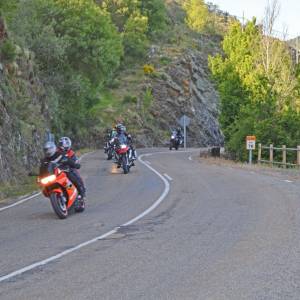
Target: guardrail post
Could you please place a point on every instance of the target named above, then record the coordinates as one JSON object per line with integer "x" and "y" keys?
{"x": 298, "y": 155}
{"x": 284, "y": 156}
{"x": 271, "y": 153}
{"x": 259, "y": 153}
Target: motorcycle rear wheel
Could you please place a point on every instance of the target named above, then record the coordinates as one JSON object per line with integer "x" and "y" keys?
{"x": 79, "y": 205}
{"x": 59, "y": 206}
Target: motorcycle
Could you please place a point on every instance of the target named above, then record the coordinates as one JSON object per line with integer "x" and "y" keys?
{"x": 109, "y": 149}
{"x": 175, "y": 141}
{"x": 59, "y": 189}
{"x": 123, "y": 156}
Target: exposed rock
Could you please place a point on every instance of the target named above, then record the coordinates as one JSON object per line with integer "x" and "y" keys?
{"x": 22, "y": 122}
{"x": 186, "y": 88}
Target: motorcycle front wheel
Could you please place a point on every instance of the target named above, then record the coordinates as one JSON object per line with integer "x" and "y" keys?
{"x": 125, "y": 164}
{"x": 109, "y": 154}
{"x": 59, "y": 205}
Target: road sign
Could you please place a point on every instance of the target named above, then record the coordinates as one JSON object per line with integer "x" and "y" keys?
{"x": 184, "y": 121}
{"x": 250, "y": 142}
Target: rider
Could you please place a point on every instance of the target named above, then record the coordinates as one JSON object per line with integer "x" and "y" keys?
{"x": 64, "y": 145}
{"x": 54, "y": 154}
{"x": 113, "y": 132}
{"x": 179, "y": 133}
{"x": 121, "y": 134}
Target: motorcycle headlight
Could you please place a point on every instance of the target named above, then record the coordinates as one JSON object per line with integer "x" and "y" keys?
{"x": 123, "y": 146}
{"x": 47, "y": 179}
{"x": 172, "y": 137}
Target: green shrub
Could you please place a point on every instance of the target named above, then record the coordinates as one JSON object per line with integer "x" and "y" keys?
{"x": 165, "y": 60}
{"x": 8, "y": 51}
{"x": 148, "y": 98}
{"x": 130, "y": 99}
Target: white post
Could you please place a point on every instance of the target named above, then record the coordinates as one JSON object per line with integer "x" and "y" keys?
{"x": 184, "y": 132}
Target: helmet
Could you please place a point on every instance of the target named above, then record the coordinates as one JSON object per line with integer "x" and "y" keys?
{"x": 120, "y": 128}
{"x": 65, "y": 143}
{"x": 49, "y": 149}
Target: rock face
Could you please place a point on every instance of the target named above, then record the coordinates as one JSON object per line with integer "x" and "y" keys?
{"x": 186, "y": 88}
{"x": 23, "y": 117}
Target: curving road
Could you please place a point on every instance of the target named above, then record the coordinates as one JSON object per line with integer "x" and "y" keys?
{"x": 219, "y": 233}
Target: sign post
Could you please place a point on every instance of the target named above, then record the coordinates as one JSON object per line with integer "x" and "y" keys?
{"x": 250, "y": 144}
{"x": 184, "y": 121}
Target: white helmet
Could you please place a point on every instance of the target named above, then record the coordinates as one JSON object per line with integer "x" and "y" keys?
{"x": 65, "y": 143}
{"x": 49, "y": 149}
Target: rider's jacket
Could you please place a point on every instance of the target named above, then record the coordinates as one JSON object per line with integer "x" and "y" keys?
{"x": 62, "y": 159}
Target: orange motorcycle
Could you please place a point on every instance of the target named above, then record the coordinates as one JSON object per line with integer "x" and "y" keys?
{"x": 59, "y": 189}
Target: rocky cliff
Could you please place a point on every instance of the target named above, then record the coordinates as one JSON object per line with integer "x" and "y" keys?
{"x": 23, "y": 114}
{"x": 187, "y": 89}
{"x": 180, "y": 85}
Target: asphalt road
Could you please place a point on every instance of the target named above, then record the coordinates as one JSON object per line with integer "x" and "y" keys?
{"x": 220, "y": 233}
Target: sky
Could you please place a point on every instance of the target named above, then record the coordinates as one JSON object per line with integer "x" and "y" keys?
{"x": 289, "y": 12}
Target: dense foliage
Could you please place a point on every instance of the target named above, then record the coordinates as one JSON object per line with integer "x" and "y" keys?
{"x": 259, "y": 89}
{"x": 196, "y": 14}
{"x": 78, "y": 48}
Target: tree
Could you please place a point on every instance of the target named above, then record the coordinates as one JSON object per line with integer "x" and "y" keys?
{"x": 121, "y": 10}
{"x": 95, "y": 47}
{"x": 254, "y": 99}
{"x": 77, "y": 49}
{"x": 156, "y": 12}
{"x": 135, "y": 39}
{"x": 196, "y": 14}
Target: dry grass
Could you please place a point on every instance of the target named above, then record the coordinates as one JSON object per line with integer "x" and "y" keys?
{"x": 266, "y": 169}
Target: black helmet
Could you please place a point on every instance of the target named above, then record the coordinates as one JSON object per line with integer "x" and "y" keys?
{"x": 49, "y": 149}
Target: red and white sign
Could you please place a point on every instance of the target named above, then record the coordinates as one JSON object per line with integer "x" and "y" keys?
{"x": 250, "y": 142}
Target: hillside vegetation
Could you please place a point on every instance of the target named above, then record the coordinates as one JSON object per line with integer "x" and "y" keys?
{"x": 259, "y": 88}
{"x": 76, "y": 67}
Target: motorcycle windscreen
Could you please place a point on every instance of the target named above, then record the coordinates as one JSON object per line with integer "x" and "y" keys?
{"x": 46, "y": 169}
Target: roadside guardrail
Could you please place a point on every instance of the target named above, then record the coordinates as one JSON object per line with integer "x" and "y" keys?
{"x": 284, "y": 150}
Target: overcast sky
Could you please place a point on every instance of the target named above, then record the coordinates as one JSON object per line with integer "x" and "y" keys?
{"x": 289, "y": 12}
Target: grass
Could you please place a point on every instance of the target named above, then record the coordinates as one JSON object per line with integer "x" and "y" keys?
{"x": 267, "y": 169}
{"x": 16, "y": 190}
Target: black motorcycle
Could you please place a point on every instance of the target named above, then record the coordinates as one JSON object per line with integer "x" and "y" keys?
{"x": 175, "y": 141}
{"x": 110, "y": 149}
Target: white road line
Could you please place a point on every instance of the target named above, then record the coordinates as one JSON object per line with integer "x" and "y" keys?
{"x": 20, "y": 202}
{"x": 288, "y": 181}
{"x": 98, "y": 238}
{"x": 34, "y": 195}
{"x": 190, "y": 158}
{"x": 168, "y": 177}
{"x": 147, "y": 162}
